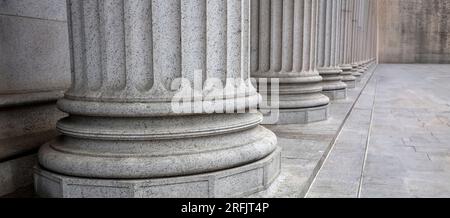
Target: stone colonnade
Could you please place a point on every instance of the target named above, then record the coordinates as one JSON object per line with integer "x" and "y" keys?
{"x": 127, "y": 137}
{"x": 284, "y": 46}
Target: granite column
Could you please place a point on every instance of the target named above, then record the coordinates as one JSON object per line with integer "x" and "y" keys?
{"x": 354, "y": 39}
{"x": 160, "y": 104}
{"x": 345, "y": 40}
{"x": 328, "y": 49}
{"x": 284, "y": 41}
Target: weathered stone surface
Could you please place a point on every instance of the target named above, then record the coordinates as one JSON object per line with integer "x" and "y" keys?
{"x": 414, "y": 31}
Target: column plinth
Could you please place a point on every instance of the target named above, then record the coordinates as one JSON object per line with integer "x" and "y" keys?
{"x": 333, "y": 85}
{"x": 284, "y": 37}
{"x": 126, "y": 136}
{"x": 356, "y": 72}
{"x": 347, "y": 76}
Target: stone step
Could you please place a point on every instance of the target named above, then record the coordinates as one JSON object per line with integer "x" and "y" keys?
{"x": 341, "y": 174}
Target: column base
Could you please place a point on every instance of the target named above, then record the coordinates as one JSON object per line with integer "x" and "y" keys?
{"x": 357, "y": 75}
{"x": 350, "y": 84}
{"x": 301, "y": 116}
{"x": 364, "y": 69}
{"x": 236, "y": 182}
{"x": 336, "y": 94}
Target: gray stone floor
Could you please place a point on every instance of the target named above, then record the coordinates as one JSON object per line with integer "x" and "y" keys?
{"x": 306, "y": 146}
{"x": 389, "y": 138}
{"x": 396, "y": 141}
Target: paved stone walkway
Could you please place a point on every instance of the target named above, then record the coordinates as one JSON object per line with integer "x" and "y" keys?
{"x": 396, "y": 141}
{"x": 305, "y": 147}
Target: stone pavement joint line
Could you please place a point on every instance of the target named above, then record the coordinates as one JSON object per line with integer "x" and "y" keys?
{"x": 305, "y": 147}
{"x": 348, "y": 150}
{"x": 407, "y": 153}
{"x": 368, "y": 141}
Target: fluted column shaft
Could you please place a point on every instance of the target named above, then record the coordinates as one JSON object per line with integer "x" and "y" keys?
{"x": 371, "y": 32}
{"x": 284, "y": 40}
{"x": 369, "y": 41}
{"x": 157, "y": 87}
{"x": 346, "y": 40}
{"x": 365, "y": 42}
{"x": 361, "y": 15}
{"x": 371, "y": 49}
{"x": 328, "y": 41}
{"x": 362, "y": 35}
{"x": 375, "y": 32}
{"x": 359, "y": 35}
{"x": 354, "y": 61}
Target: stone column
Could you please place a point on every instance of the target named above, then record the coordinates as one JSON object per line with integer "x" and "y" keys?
{"x": 362, "y": 41}
{"x": 375, "y": 31}
{"x": 328, "y": 49}
{"x": 284, "y": 41}
{"x": 359, "y": 31}
{"x": 365, "y": 33}
{"x": 372, "y": 33}
{"x": 354, "y": 39}
{"x": 345, "y": 53}
{"x": 126, "y": 136}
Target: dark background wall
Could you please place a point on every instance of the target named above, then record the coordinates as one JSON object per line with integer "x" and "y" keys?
{"x": 414, "y": 31}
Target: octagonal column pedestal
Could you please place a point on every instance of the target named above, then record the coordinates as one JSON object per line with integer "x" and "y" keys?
{"x": 356, "y": 72}
{"x": 284, "y": 37}
{"x": 328, "y": 49}
{"x": 347, "y": 76}
{"x": 147, "y": 77}
{"x": 361, "y": 67}
{"x": 364, "y": 66}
